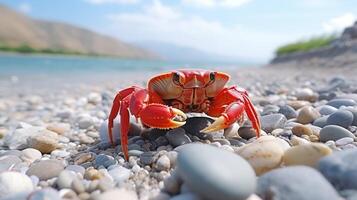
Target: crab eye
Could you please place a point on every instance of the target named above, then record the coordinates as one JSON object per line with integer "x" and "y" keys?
{"x": 212, "y": 76}
{"x": 176, "y": 78}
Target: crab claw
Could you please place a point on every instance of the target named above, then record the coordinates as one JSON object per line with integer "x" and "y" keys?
{"x": 162, "y": 116}
{"x": 218, "y": 124}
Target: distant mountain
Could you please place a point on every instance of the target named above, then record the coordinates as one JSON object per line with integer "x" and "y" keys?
{"x": 18, "y": 30}
{"x": 172, "y": 52}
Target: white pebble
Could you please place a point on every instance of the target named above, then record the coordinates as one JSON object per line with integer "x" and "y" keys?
{"x": 344, "y": 141}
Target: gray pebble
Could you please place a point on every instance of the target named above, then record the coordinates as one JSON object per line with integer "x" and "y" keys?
{"x": 333, "y": 132}
{"x": 272, "y": 121}
{"x": 341, "y": 118}
{"x": 295, "y": 183}
{"x": 337, "y": 103}
{"x": 288, "y": 111}
{"x": 177, "y": 137}
{"x": 340, "y": 168}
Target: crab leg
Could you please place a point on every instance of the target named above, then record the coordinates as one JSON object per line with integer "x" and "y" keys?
{"x": 229, "y": 106}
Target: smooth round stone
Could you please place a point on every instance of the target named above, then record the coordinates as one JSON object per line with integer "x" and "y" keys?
{"x": 8, "y": 161}
{"x": 18, "y": 138}
{"x": 295, "y": 140}
{"x": 134, "y": 129}
{"x": 270, "y": 109}
{"x": 264, "y": 154}
{"x": 29, "y": 155}
{"x": 85, "y": 122}
{"x": 60, "y": 153}
{"x": 306, "y": 154}
{"x": 337, "y": 103}
{"x": 45, "y": 143}
{"x": 115, "y": 194}
{"x": 344, "y": 141}
{"x": 14, "y": 184}
{"x": 65, "y": 179}
{"x": 341, "y": 118}
{"x": 295, "y": 183}
{"x": 340, "y": 168}
{"x": 272, "y": 121}
{"x": 306, "y": 94}
{"x": 333, "y": 132}
{"x": 201, "y": 167}
{"x": 172, "y": 184}
{"x": 298, "y": 104}
{"x": 104, "y": 160}
{"x": 353, "y": 110}
{"x": 163, "y": 163}
{"x": 94, "y": 98}
{"x": 326, "y": 110}
{"x": 300, "y": 130}
{"x": 76, "y": 169}
{"x": 321, "y": 122}
{"x": 45, "y": 169}
{"x": 147, "y": 158}
{"x": 288, "y": 111}
{"x": 45, "y": 194}
{"x": 196, "y": 122}
{"x": 59, "y": 128}
{"x": 186, "y": 196}
{"x": 307, "y": 115}
{"x": 177, "y": 137}
{"x": 246, "y": 132}
{"x": 119, "y": 174}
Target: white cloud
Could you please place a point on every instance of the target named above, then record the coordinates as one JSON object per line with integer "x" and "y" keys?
{"x": 339, "y": 23}
{"x": 25, "y": 8}
{"x": 158, "y": 22}
{"x": 214, "y": 3}
{"x": 112, "y": 1}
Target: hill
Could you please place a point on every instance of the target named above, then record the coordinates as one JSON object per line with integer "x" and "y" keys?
{"x": 20, "y": 32}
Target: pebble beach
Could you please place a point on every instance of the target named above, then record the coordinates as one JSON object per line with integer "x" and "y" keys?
{"x": 54, "y": 143}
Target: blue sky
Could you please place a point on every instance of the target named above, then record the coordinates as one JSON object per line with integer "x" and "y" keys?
{"x": 247, "y": 29}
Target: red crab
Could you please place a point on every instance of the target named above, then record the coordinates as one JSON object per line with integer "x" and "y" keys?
{"x": 169, "y": 95}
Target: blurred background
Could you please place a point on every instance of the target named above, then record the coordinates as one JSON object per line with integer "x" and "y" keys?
{"x": 47, "y": 39}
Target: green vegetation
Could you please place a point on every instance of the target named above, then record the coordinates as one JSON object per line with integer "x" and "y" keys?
{"x": 305, "y": 45}
{"x": 29, "y": 50}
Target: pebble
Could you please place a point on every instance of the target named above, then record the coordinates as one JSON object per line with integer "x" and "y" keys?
{"x": 306, "y": 154}
{"x": 115, "y": 193}
{"x": 104, "y": 160}
{"x": 85, "y": 122}
{"x": 337, "y": 103}
{"x": 65, "y": 179}
{"x": 307, "y": 115}
{"x": 147, "y": 158}
{"x": 77, "y": 186}
{"x": 82, "y": 158}
{"x": 343, "y": 118}
{"x": 93, "y": 174}
{"x": 177, "y": 137}
{"x": 344, "y": 141}
{"x": 94, "y": 98}
{"x": 163, "y": 163}
{"x": 333, "y": 132}
{"x": 14, "y": 185}
{"x": 288, "y": 111}
{"x": 246, "y": 132}
{"x": 340, "y": 168}
{"x": 231, "y": 184}
{"x": 300, "y": 130}
{"x": 298, "y": 104}
{"x": 172, "y": 184}
{"x": 264, "y": 154}
{"x": 76, "y": 168}
{"x": 295, "y": 183}
{"x": 30, "y": 155}
{"x": 18, "y": 138}
{"x": 45, "y": 194}
{"x": 59, "y": 128}
{"x": 45, "y": 143}
{"x": 186, "y": 196}
{"x": 7, "y": 162}
{"x": 272, "y": 121}
{"x": 270, "y": 109}
{"x": 326, "y": 110}
{"x": 321, "y": 122}
{"x": 53, "y": 169}
{"x": 119, "y": 174}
